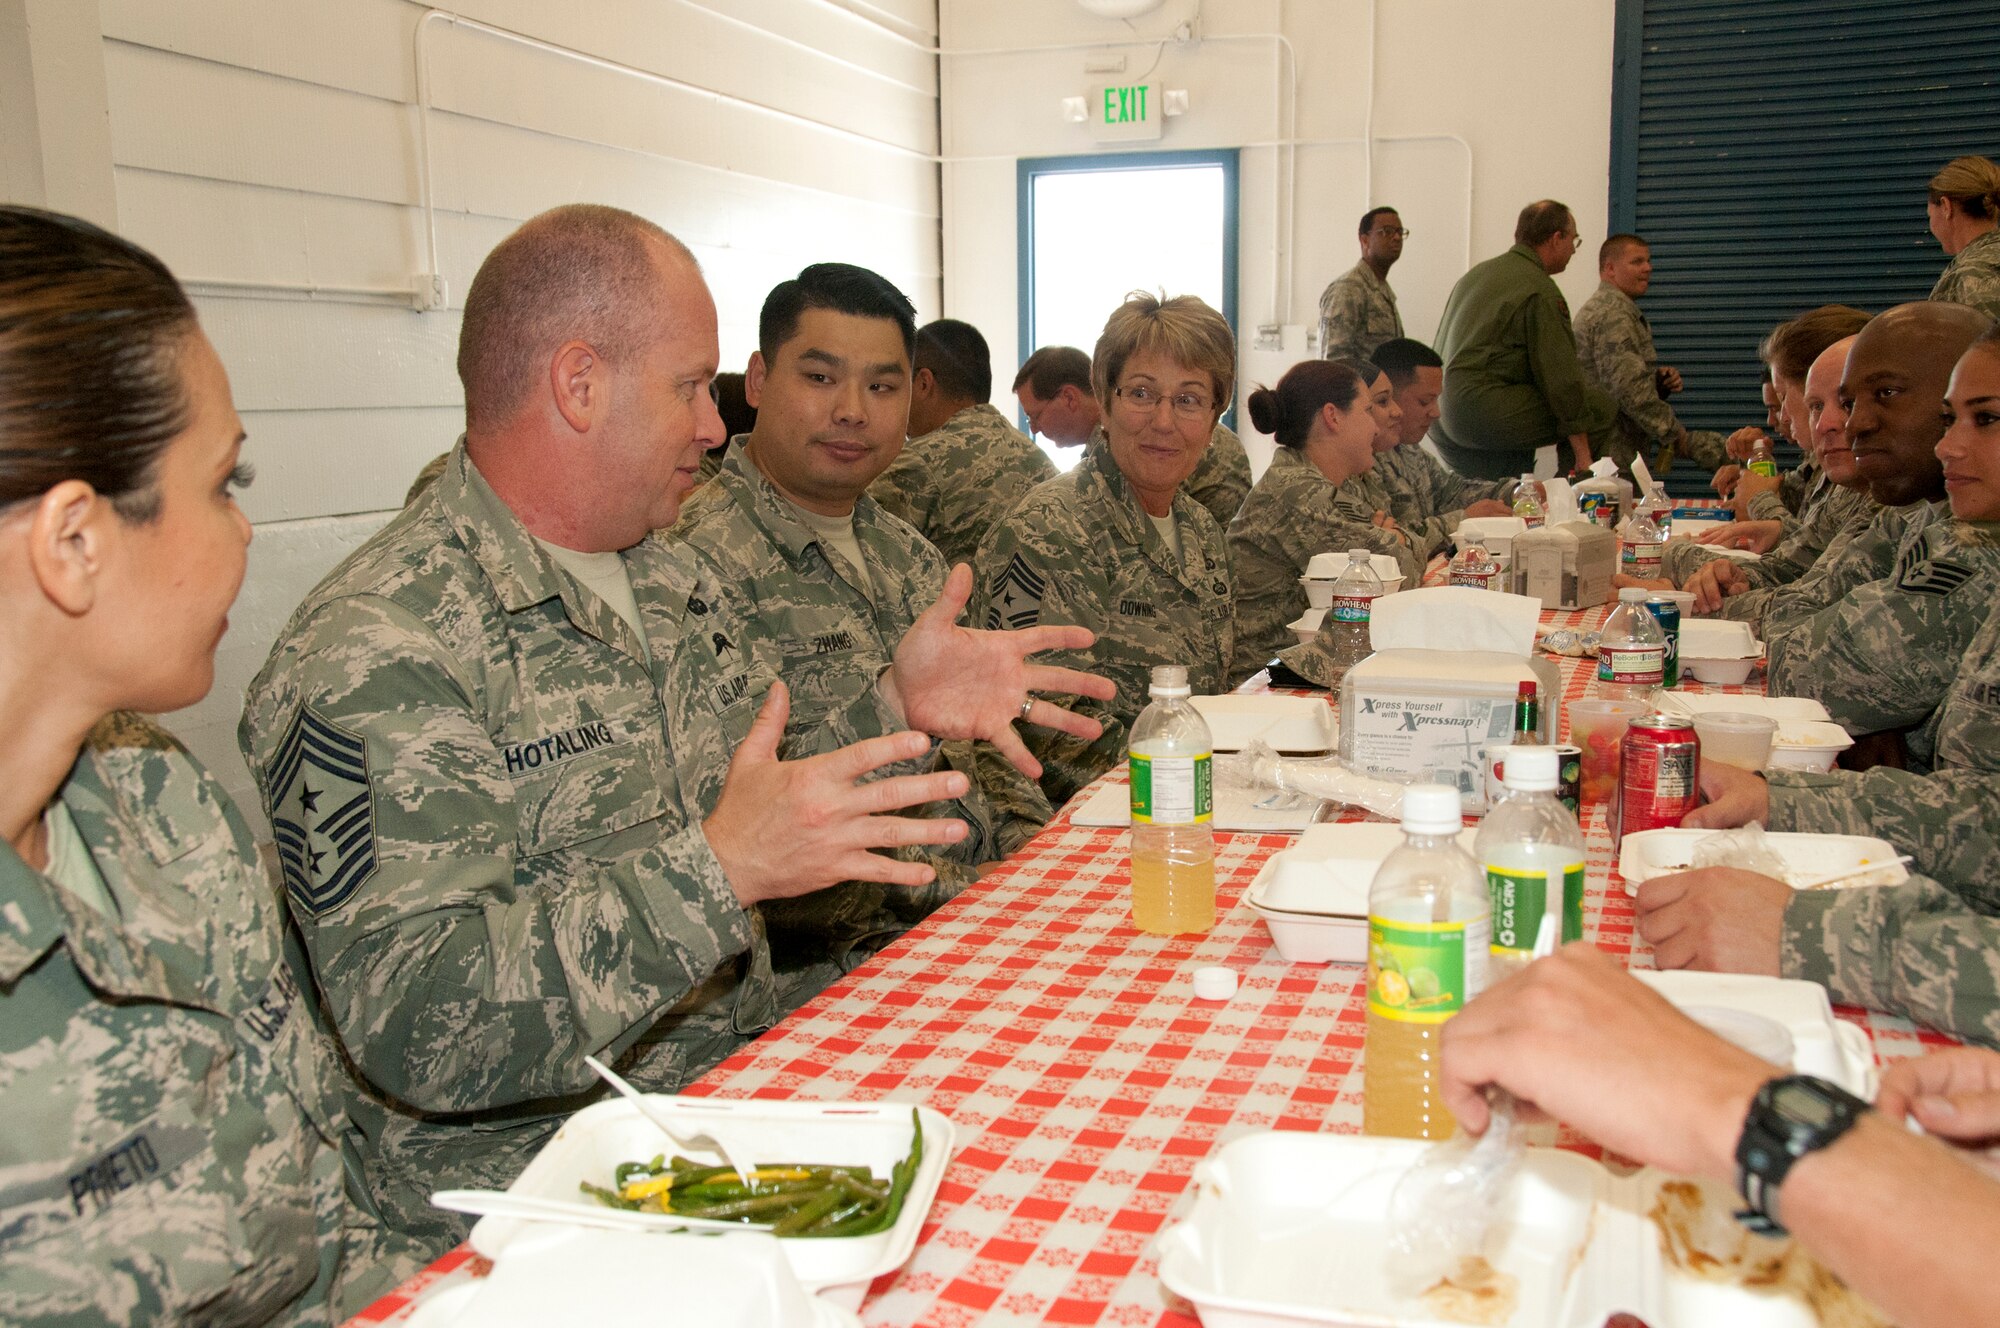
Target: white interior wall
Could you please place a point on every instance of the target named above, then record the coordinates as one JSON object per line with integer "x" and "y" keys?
{"x": 1472, "y": 109}
{"x": 270, "y": 153}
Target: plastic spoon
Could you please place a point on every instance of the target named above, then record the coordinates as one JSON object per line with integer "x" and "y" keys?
{"x": 666, "y": 1124}
{"x": 1440, "y": 1210}
{"x": 1853, "y": 872}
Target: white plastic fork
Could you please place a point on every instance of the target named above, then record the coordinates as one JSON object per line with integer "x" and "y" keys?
{"x": 666, "y": 1125}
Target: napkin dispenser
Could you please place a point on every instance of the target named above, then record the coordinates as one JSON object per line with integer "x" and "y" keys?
{"x": 1424, "y": 716}
{"x": 1565, "y": 566}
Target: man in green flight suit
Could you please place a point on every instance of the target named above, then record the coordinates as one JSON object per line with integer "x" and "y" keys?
{"x": 1512, "y": 381}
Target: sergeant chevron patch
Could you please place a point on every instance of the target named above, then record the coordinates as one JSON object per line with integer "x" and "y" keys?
{"x": 1935, "y": 576}
{"x": 1017, "y": 597}
{"x": 322, "y": 812}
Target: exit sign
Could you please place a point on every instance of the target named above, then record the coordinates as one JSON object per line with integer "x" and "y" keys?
{"x": 1125, "y": 111}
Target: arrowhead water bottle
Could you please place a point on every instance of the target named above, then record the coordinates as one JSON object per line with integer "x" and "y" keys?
{"x": 1173, "y": 837}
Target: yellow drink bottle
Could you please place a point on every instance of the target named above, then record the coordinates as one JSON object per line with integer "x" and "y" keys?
{"x": 1429, "y": 931}
{"x": 1173, "y": 835}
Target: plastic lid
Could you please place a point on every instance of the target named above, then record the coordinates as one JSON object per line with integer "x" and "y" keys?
{"x": 1214, "y": 983}
{"x": 1530, "y": 769}
{"x": 1362, "y": 554}
{"x": 1432, "y": 809}
{"x": 1626, "y": 595}
{"x": 1170, "y": 680}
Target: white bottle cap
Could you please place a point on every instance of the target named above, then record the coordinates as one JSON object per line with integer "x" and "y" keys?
{"x": 1214, "y": 983}
{"x": 1362, "y": 554}
{"x": 1169, "y": 680}
{"x": 1530, "y": 769}
{"x": 1633, "y": 595}
{"x": 1432, "y": 809}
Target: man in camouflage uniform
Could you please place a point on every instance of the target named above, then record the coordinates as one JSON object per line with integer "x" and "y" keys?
{"x": 473, "y": 739}
{"x": 1837, "y": 511}
{"x": 1614, "y": 342}
{"x": 835, "y": 593}
{"x": 1080, "y": 549}
{"x": 1427, "y": 499}
{"x": 1924, "y": 948}
{"x": 176, "y": 1135}
{"x": 1357, "y": 311}
{"x": 965, "y": 465}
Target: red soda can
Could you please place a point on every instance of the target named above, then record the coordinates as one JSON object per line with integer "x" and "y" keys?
{"x": 1657, "y": 780}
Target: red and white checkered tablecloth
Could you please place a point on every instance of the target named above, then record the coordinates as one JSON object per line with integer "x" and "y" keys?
{"x": 1085, "y": 1079}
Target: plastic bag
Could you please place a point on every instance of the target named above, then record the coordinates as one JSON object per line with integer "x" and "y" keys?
{"x": 1748, "y": 848}
{"x": 1323, "y": 777}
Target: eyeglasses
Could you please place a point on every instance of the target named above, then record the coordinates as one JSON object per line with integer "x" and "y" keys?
{"x": 1187, "y": 405}
{"x": 1391, "y": 232}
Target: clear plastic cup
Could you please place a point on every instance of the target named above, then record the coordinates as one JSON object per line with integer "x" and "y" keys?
{"x": 1597, "y": 725}
{"x": 1732, "y": 738}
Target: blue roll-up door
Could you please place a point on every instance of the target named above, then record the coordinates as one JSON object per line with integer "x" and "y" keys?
{"x": 1775, "y": 154}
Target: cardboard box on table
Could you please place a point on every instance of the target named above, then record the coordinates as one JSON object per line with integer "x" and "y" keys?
{"x": 1441, "y": 685}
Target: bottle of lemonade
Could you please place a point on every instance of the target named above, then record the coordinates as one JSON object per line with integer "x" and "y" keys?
{"x": 1429, "y": 930}
{"x": 1173, "y": 838}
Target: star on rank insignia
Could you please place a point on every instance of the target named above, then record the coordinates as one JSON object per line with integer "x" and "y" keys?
{"x": 322, "y": 815}
{"x": 1934, "y": 576}
{"x": 1017, "y": 597}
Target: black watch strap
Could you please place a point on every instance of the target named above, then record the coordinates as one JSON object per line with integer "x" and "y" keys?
{"x": 1790, "y": 1117}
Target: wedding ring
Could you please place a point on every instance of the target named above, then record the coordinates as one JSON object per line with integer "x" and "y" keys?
{"x": 1026, "y": 706}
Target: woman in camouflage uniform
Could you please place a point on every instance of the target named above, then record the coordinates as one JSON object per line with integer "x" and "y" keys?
{"x": 173, "y": 1151}
{"x": 1321, "y": 417}
{"x": 1117, "y": 545}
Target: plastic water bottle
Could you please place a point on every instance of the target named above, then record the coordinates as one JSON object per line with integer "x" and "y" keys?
{"x": 1528, "y": 504}
{"x": 1642, "y": 544}
{"x": 1474, "y": 567}
{"x": 1631, "y": 650}
{"x": 1173, "y": 835}
{"x": 1347, "y": 617}
{"x": 1762, "y": 461}
{"x": 1531, "y": 850}
{"x": 1429, "y": 942}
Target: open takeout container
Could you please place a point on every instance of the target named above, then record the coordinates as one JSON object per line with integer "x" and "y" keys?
{"x": 1784, "y": 709}
{"x": 1288, "y": 725}
{"x": 592, "y": 1143}
{"x": 1645, "y": 854}
{"x": 1313, "y": 898}
{"x": 1289, "y": 1228}
{"x": 1822, "y": 1043}
{"x": 1807, "y": 745}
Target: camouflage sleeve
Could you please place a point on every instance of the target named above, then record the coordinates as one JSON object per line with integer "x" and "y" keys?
{"x": 1610, "y": 351}
{"x": 1948, "y": 821}
{"x": 906, "y": 490}
{"x": 1346, "y": 513}
{"x": 1343, "y": 321}
{"x": 1885, "y": 655}
{"x": 1974, "y": 285}
{"x": 473, "y": 942}
{"x": 1027, "y": 578}
{"x": 1221, "y": 481}
{"x": 1707, "y": 449}
{"x": 1682, "y": 558}
{"x": 1770, "y": 505}
{"x": 1792, "y": 486}
{"x": 1868, "y": 557}
{"x": 1914, "y": 949}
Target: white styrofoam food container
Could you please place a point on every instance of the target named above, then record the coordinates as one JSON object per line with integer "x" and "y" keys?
{"x": 1807, "y": 745}
{"x": 1327, "y": 567}
{"x": 1306, "y": 626}
{"x": 554, "y": 1274}
{"x": 1650, "y": 853}
{"x": 1285, "y": 723}
{"x": 1289, "y": 1229}
{"x": 1319, "y": 593}
{"x": 1313, "y": 898}
{"x": 1495, "y": 534}
{"x": 592, "y": 1143}
{"x": 1718, "y": 650}
{"x": 1822, "y": 1044}
{"x": 1784, "y": 709}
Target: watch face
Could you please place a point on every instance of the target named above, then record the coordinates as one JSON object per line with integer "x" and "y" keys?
{"x": 1803, "y": 1105}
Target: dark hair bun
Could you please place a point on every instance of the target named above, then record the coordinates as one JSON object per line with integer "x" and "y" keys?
{"x": 1267, "y": 411}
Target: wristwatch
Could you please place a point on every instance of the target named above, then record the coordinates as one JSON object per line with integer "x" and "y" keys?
{"x": 1789, "y": 1117}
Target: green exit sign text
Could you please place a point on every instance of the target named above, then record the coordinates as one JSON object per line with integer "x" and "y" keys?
{"x": 1125, "y": 111}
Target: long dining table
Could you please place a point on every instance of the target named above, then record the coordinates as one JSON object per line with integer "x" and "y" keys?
{"x": 1083, "y": 1076}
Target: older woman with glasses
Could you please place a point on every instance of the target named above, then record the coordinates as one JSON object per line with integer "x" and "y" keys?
{"x": 1117, "y": 545}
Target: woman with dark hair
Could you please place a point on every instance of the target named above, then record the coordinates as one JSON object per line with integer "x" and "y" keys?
{"x": 1965, "y": 217}
{"x": 174, "y": 1142}
{"x": 1324, "y": 419}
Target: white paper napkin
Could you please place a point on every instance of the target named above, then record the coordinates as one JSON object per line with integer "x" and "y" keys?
{"x": 1455, "y": 618}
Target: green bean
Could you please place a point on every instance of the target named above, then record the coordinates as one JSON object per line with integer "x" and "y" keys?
{"x": 811, "y": 1211}
{"x": 609, "y": 1198}
{"x": 763, "y": 1203}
